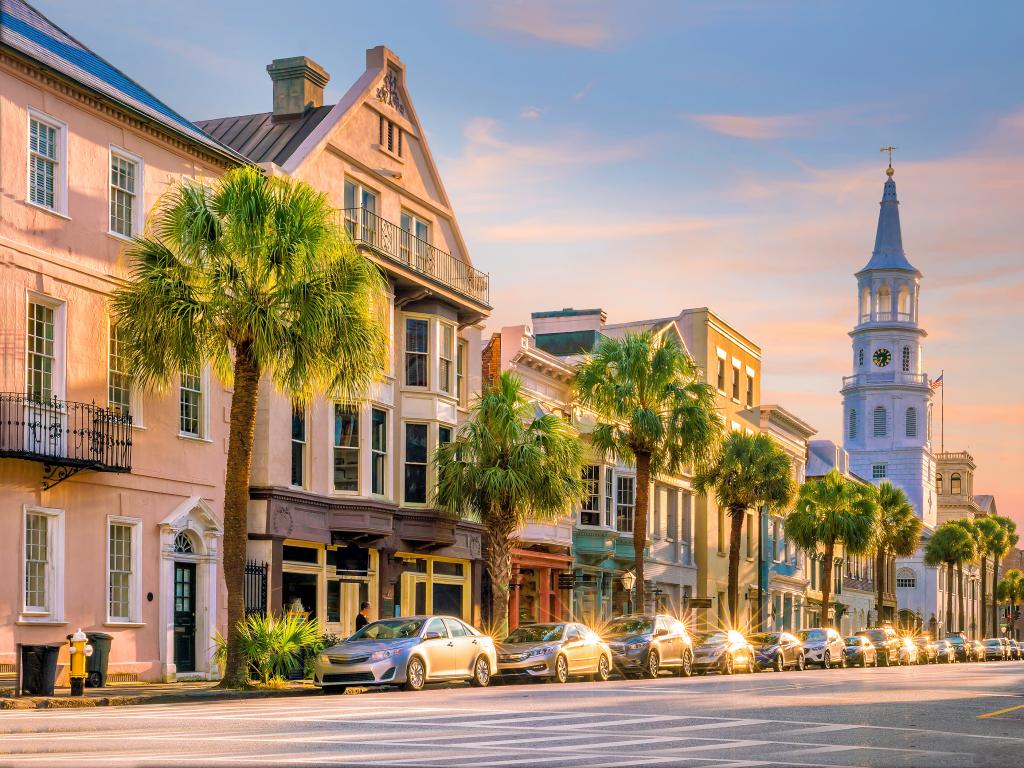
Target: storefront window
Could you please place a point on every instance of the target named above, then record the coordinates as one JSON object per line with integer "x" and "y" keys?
{"x": 448, "y": 599}
{"x": 300, "y": 593}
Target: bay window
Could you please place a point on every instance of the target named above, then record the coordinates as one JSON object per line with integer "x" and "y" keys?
{"x": 415, "y": 464}
{"x": 416, "y": 352}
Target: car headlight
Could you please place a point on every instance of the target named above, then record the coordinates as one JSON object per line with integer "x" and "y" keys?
{"x": 381, "y": 655}
{"x": 636, "y": 646}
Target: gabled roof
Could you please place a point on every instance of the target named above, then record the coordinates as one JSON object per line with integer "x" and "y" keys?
{"x": 261, "y": 138}
{"x": 26, "y": 31}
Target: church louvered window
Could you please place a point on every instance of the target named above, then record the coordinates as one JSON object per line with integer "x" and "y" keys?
{"x": 912, "y": 422}
{"x": 851, "y": 428}
{"x": 906, "y": 359}
{"x": 860, "y": 357}
{"x": 880, "y": 421}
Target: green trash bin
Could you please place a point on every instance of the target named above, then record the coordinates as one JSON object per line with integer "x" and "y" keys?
{"x": 96, "y": 665}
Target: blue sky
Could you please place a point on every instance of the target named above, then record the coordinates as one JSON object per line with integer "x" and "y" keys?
{"x": 649, "y": 156}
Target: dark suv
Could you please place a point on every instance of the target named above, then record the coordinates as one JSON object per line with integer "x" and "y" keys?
{"x": 886, "y": 642}
{"x": 961, "y": 647}
{"x": 646, "y": 644}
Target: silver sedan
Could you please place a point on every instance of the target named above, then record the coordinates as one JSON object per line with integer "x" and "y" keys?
{"x": 410, "y": 652}
{"x": 553, "y": 651}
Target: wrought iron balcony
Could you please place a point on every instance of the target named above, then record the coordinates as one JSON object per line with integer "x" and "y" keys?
{"x": 66, "y": 436}
{"x": 885, "y": 377}
{"x": 396, "y": 244}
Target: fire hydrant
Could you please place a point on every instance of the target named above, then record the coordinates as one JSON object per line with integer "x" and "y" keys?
{"x": 79, "y": 651}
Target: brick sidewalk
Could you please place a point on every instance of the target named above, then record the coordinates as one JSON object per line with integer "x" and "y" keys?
{"x": 121, "y": 694}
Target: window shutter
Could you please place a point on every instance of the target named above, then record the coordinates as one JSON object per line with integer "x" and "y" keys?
{"x": 911, "y": 422}
{"x": 880, "y": 421}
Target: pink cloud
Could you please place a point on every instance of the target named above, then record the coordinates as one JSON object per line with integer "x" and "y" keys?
{"x": 570, "y": 23}
{"x": 747, "y": 127}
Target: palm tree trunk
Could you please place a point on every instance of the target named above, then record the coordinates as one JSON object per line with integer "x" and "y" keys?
{"x": 736, "y": 515}
{"x": 960, "y": 595}
{"x": 500, "y": 543}
{"x": 643, "y": 480}
{"x": 949, "y": 597}
{"x": 826, "y": 581}
{"x": 981, "y": 601}
{"x": 995, "y": 601}
{"x": 879, "y": 585}
{"x": 236, "y": 507}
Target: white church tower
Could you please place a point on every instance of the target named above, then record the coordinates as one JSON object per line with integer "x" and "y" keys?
{"x": 887, "y": 400}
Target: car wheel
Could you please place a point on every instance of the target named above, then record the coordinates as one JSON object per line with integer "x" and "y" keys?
{"x": 653, "y": 665}
{"x": 561, "y": 670}
{"x": 780, "y": 663}
{"x": 604, "y": 669}
{"x": 686, "y": 667}
{"x": 481, "y": 673}
{"x": 727, "y": 664}
{"x": 333, "y": 690}
{"x": 801, "y": 663}
{"x": 826, "y": 661}
{"x": 415, "y": 675}
{"x": 842, "y": 661}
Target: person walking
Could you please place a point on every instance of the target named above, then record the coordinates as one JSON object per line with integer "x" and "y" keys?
{"x": 361, "y": 618}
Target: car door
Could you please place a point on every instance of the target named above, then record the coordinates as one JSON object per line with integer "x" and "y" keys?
{"x": 438, "y": 649}
{"x": 465, "y": 647}
{"x": 668, "y": 645}
{"x": 789, "y": 646}
{"x": 835, "y": 644}
{"x": 575, "y": 650}
{"x": 681, "y": 637}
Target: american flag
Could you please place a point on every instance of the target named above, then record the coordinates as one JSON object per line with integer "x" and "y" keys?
{"x": 937, "y": 383}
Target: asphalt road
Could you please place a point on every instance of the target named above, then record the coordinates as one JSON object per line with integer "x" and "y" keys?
{"x": 946, "y": 715}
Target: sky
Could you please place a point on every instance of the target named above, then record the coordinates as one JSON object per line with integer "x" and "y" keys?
{"x": 644, "y": 157}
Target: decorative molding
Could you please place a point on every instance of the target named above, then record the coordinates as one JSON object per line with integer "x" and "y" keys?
{"x": 388, "y": 93}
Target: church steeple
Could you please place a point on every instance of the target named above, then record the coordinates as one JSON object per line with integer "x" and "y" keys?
{"x": 888, "y": 252}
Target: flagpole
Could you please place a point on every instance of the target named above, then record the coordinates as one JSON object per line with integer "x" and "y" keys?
{"x": 942, "y": 411}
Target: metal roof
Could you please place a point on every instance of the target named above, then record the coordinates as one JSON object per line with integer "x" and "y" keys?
{"x": 263, "y": 138}
{"x": 26, "y": 31}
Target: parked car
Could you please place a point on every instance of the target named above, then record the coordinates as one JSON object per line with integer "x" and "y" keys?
{"x": 908, "y": 651}
{"x": 723, "y": 651}
{"x": 960, "y": 645}
{"x": 947, "y": 653}
{"x": 647, "y": 644}
{"x": 1017, "y": 651}
{"x": 886, "y": 642}
{"x": 777, "y": 650}
{"x": 409, "y": 651}
{"x": 979, "y": 650}
{"x": 927, "y": 650}
{"x": 1007, "y": 650}
{"x": 823, "y": 646}
{"x": 994, "y": 650}
{"x": 554, "y": 652}
{"x": 860, "y": 652}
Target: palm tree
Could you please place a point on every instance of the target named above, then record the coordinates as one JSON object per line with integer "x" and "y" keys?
{"x": 254, "y": 279}
{"x": 654, "y": 410}
{"x": 897, "y": 531}
{"x": 991, "y": 541}
{"x": 1009, "y": 590}
{"x": 1010, "y": 527}
{"x": 968, "y": 526}
{"x": 505, "y": 467}
{"x": 831, "y": 511}
{"x": 949, "y": 544}
{"x": 749, "y": 471}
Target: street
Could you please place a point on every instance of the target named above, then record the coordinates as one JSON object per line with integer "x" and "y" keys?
{"x": 956, "y": 715}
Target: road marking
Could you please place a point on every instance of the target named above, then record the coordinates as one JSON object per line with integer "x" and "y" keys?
{"x": 1000, "y": 711}
{"x": 824, "y": 729}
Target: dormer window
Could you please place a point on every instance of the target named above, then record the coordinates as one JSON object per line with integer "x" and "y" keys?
{"x": 390, "y": 136}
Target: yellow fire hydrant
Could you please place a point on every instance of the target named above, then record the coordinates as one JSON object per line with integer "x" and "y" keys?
{"x": 79, "y": 651}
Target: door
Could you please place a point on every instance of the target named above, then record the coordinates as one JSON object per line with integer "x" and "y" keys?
{"x": 466, "y": 647}
{"x": 185, "y": 617}
{"x": 439, "y": 651}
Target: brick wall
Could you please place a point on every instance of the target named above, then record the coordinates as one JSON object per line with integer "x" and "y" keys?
{"x": 490, "y": 360}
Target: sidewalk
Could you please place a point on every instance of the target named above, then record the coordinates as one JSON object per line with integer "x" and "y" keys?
{"x": 121, "y": 694}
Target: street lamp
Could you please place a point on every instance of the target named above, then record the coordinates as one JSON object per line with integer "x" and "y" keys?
{"x": 628, "y": 582}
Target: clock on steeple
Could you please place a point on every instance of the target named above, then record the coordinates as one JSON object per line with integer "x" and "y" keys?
{"x": 882, "y": 357}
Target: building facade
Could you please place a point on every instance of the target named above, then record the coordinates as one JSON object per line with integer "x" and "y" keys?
{"x": 340, "y": 496}
{"x": 111, "y": 496}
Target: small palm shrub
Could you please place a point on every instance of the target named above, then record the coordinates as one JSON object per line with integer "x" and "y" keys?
{"x": 272, "y": 646}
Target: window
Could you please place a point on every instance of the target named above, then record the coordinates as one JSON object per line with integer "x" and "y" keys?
{"x": 43, "y": 564}
{"x": 750, "y": 390}
{"x": 721, "y": 374}
{"x": 911, "y": 422}
{"x": 46, "y": 176}
{"x": 346, "y": 448}
{"x": 590, "y": 511}
{"x": 626, "y": 501}
{"x": 736, "y": 383}
{"x": 361, "y": 213}
{"x": 877, "y": 471}
{"x": 447, "y": 356}
{"x": 378, "y": 449}
{"x": 906, "y": 359}
{"x": 955, "y": 484}
{"x": 460, "y": 371}
{"x": 41, "y": 351}
{"x": 416, "y": 334}
{"x": 298, "y": 445}
{"x": 609, "y": 495}
{"x": 906, "y": 579}
{"x": 125, "y": 184}
{"x": 851, "y": 428}
{"x": 415, "y": 240}
{"x": 119, "y": 388}
{"x": 860, "y": 357}
{"x": 191, "y": 404}
{"x": 416, "y": 463}
{"x": 123, "y": 567}
{"x": 880, "y": 421}
{"x": 390, "y": 136}
{"x": 938, "y": 483}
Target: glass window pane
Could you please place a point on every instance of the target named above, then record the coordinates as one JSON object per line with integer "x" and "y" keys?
{"x": 346, "y": 447}
{"x": 448, "y": 599}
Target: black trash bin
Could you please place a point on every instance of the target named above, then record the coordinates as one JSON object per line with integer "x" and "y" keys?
{"x": 39, "y": 668}
{"x": 96, "y": 665}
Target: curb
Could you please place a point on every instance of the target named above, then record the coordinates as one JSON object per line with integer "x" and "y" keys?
{"x": 87, "y": 702}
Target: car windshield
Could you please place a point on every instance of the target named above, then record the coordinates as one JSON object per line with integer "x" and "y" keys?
{"x": 874, "y": 635}
{"x": 639, "y": 626}
{"x": 854, "y": 640}
{"x": 389, "y": 629}
{"x": 765, "y": 638}
{"x": 536, "y": 633}
{"x": 956, "y": 640}
{"x": 713, "y": 638}
{"x": 992, "y": 642}
{"x": 812, "y": 635}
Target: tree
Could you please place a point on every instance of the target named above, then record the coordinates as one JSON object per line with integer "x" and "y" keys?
{"x": 831, "y": 511}
{"x": 1009, "y": 590}
{"x": 1010, "y": 528}
{"x": 508, "y": 466}
{"x": 949, "y": 544}
{"x": 253, "y": 278}
{"x": 991, "y": 541}
{"x": 654, "y": 410}
{"x": 968, "y": 526}
{"x": 749, "y": 471}
{"x": 897, "y": 531}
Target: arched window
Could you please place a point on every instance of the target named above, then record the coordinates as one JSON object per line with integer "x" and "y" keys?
{"x": 906, "y": 359}
{"x": 183, "y": 544}
{"x": 954, "y": 484}
{"x": 906, "y": 578}
{"x": 938, "y": 484}
{"x": 903, "y": 303}
{"x": 883, "y": 303}
{"x": 911, "y": 421}
{"x": 851, "y": 428}
{"x": 880, "y": 421}
{"x": 860, "y": 357}
{"x": 865, "y": 305}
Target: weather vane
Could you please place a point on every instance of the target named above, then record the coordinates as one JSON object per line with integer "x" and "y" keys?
{"x": 890, "y": 149}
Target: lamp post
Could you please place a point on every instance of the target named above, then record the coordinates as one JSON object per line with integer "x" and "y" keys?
{"x": 760, "y": 569}
{"x": 628, "y": 582}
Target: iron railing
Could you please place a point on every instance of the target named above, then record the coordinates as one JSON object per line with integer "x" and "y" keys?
{"x": 391, "y": 241}
{"x": 255, "y": 588}
{"x": 65, "y": 434}
{"x": 885, "y": 377}
{"x": 886, "y": 317}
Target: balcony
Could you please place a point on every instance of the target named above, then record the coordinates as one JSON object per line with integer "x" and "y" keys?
{"x": 885, "y": 377}
{"x": 65, "y": 436}
{"x": 886, "y": 317}
{"x": 395, "y": 244}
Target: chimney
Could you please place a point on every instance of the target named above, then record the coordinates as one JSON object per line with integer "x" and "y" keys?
{"x": 298, "y": 85}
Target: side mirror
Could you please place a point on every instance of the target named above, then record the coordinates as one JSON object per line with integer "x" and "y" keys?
{"x": 431, "y": 635}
